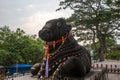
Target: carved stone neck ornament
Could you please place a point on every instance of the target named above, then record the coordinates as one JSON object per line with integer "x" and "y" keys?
{"x": 48, "y": 54}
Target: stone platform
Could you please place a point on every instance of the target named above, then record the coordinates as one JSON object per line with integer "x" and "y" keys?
{"x": 94, "y": 74}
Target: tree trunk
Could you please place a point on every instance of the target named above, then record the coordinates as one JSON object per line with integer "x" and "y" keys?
{"x": 101, "y": 55}
{"x": 102, "y": 41}
{"x": 102, "y": 49}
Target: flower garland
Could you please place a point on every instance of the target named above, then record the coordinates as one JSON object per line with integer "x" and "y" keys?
{"x": 45, "y": 61}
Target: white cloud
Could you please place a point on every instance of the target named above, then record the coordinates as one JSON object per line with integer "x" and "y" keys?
{"x": 29, "y": 15}
{"x": 34, "y": 23}
{"x": 30, "y": 6}
{"x": 19, "y": 9}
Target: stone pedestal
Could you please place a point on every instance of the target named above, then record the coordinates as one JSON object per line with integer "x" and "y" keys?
{"x": 94, "y": 74}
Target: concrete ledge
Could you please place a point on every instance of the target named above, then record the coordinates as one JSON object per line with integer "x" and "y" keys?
{"x": 94, "y": 74}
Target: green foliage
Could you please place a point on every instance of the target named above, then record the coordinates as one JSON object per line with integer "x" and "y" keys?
{"x": 7, "y": 58}
{"x": 99, "y": 18}
{"x": 109, "y": 43}
{"x": 16, "y": 46}
{"x": 114, "y": 55}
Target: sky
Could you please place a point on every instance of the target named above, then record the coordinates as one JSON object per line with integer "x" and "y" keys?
{"x": 29, "y": 15}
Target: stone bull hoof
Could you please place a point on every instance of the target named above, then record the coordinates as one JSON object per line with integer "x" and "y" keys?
{"x": 63, "y": 55}
{"x": 35, "y": 69}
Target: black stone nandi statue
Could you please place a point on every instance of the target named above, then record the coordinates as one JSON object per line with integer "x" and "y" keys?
{"x": 64, "y": 57}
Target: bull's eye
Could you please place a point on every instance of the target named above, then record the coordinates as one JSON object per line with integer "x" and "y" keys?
{"x": 46, "y": 30}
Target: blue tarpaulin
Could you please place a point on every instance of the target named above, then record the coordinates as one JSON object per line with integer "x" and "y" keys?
{"x": 19, "y": 68}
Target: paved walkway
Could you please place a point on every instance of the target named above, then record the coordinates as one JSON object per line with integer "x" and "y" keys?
{"x": 28, "y": 77}
{"x": 110, "y": 76}
{"x": 113, "y": 76}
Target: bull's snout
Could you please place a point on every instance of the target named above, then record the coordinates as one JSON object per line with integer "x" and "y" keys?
{"x": 44, "y": 32}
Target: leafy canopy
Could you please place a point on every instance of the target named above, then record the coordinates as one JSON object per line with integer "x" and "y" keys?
{"x": 16, "y": 46}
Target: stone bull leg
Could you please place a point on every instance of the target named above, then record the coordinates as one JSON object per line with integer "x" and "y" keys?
{"x": 35, "y": 69}
{"x": 73, "y": 67}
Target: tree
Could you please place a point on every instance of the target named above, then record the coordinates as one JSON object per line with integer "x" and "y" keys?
{"x": 16, "y": 46}
{"x": 101, "y": 17}
{"x": 113, "y": 53}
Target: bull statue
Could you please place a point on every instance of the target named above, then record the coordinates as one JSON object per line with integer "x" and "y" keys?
{"x": 63, "y": 57}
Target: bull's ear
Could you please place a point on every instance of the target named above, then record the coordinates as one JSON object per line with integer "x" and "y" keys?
{"x": 61, "y": 22}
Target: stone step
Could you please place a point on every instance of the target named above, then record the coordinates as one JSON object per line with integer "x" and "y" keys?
{"x": 94, "y": 74}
